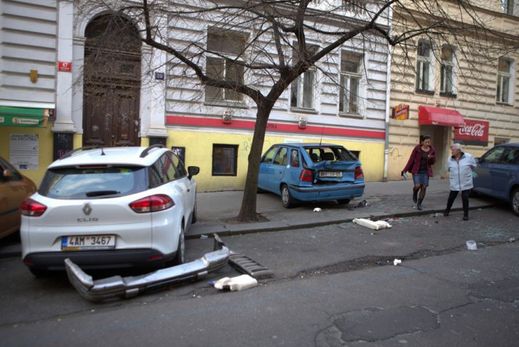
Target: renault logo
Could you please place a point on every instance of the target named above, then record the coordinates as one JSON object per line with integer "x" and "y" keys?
{"x": 87, "y": 209}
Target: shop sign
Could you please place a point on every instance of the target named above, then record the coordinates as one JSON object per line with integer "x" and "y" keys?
{"x": 475, "y": 132}
{"x": 64, "y": 66}
{"x": 400, "y": 112}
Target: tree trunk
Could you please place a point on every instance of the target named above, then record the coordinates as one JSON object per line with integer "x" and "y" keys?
{"x": 248, "y": 205}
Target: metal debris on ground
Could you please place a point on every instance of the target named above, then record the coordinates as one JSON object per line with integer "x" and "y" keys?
{"x": 236, "y": 283}
{"x": 249, "y": 266}
{"x": 126, "y": 287}
{"x": 376, "y": 225}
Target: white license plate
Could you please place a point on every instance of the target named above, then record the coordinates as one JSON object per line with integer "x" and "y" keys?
{"x": 82, "y": 242}
{"x": 330, "y": 173}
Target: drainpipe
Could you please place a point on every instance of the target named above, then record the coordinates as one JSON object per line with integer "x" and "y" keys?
{"x": 388, "y": 91}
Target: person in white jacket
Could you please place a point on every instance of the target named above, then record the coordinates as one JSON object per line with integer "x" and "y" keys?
{"x": 460, "y": 166}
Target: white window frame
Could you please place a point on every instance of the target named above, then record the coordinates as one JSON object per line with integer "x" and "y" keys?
{"x": 508, "y": 6}
{"x": 420, "y": 63}
{"x": 505, "y": 78}
{"x": 345, "y": 86}
{"x": 224, "y": 92}
{"x": 299, "y": 84}
{"x": 453, "y": 76}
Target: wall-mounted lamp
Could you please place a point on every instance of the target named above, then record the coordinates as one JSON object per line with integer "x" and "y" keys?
{"x": 301, "y": 123}
{"x": 227, "y": 117}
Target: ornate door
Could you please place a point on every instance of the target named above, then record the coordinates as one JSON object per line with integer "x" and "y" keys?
{"x": 111, "y": 86}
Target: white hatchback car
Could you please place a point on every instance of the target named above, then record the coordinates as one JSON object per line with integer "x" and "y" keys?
{"x": 109, "y": 208}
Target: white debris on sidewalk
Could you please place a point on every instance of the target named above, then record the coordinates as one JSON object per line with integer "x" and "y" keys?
{"x": 236, "y": 283}
{"x": 397, "y": 261}
{"x": 376, "y": 225}
{"x": 317, "y": 209}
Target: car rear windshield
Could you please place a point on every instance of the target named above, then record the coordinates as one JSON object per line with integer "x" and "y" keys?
{"x": 320, "y": 153}
{"x": 93, "y": 182}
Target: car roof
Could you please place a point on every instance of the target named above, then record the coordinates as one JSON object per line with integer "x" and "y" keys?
{"x": 304, "y": 145}
{"x": 515, "y": 144}
{"x": 111, "y": 155}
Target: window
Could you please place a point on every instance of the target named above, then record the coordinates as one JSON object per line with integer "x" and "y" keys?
{"x": 281, "y": 158}
{"x": 302, "y": 90}
{"x": 232, "y": 45}
{"x": 424, "y": 71}
{"x": 225, "y": 159}
{"x": 494, "y": 155}
{"x": 351, "y": 74}
{"x": 180, "y": 170}
{"x": 507, "y": 6}
{"x": 269, "y": 156}
{"x": 504, "y": 75}
{"x": 294, "y": 158}
{"x": 447, "y": 85}
{"x": 511, "y": 156}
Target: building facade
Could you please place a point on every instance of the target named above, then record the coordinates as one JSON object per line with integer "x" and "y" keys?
{"x": 455, "y": 88}
{"x": 87, "y": 81}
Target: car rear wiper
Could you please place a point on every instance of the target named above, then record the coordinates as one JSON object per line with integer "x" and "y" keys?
{"x": 102, "y": 192}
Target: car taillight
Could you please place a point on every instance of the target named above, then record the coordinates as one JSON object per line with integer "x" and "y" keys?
{"x": 152, "y": 203}
{"x": 358, "y": 173}
{"x": 32, "y": 208}
{"x": 306, "y": 175}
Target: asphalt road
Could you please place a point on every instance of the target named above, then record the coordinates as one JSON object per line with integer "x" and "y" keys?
{"x": 333, "y": 286}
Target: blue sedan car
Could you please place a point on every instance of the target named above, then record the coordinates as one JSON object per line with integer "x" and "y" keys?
{"x": 497, "y": 174}
{"x": 311, "y": 172}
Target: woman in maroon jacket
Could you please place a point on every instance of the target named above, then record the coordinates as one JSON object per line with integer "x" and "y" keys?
{"x": 419, "y": 164}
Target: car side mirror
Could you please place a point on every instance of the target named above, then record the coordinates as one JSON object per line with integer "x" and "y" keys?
{"x": 192, "y": 171}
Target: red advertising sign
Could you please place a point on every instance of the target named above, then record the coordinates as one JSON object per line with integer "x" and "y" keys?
{"x": 475, "y": 132}
{"x": 400, "y": 112}
{"x": 64, "y": 66}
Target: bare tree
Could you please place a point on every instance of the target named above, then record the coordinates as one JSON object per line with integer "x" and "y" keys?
{"x": 278, "y": 47}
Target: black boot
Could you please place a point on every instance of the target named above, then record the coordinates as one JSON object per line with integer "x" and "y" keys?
{"x": 446, "y": 212}
{"x": 419, "y": 204}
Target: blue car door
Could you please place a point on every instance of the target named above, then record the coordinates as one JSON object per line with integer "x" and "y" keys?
{"x": 266, "y": 169}
{"x": 484, "y": 180}
{"x": 503, "y": 173}
{"x": 280, "y": 163}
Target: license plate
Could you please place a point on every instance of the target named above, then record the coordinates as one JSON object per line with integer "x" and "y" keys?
{"x": 82, "y": 242}
{"x": 330, "y": 173}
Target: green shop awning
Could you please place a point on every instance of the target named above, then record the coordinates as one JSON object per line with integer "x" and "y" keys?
{"x": 23, "y": 116}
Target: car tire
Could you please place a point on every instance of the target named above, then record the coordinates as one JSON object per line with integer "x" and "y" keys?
{"x": 514, "y": 201}
{"x": 343, "y": 201}
{"x": 286, "y": 198}
{"x": 179, "y": 257}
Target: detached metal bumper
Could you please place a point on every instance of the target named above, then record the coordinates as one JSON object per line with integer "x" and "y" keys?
{"x": 126, "y": 287}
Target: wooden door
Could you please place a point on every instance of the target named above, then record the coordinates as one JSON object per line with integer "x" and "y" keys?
{"x": 111, "y": 88}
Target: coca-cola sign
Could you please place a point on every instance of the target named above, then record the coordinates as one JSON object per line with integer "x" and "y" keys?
{"x": 475, "y": 132}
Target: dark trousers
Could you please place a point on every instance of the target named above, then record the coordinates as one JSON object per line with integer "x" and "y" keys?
{"x": 464, "y": 199}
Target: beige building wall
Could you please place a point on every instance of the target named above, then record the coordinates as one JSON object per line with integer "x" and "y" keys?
{"x": 476, "y": 67}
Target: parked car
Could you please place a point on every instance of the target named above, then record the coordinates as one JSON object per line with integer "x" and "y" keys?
{"x": 109, "y": 208}
{"x": 497, "y": 174}
{"x": 14, "y": 188}
{"x": 311, "y": 172}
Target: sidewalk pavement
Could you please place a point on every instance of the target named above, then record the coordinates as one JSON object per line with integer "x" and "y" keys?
{"x": 216, "y": 210}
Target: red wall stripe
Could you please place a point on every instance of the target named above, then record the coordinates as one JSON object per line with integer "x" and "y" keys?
{"x": 273, "y": 126}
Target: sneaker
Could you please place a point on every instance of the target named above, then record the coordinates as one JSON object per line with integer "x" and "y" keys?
{"x": 465, "y": 217}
